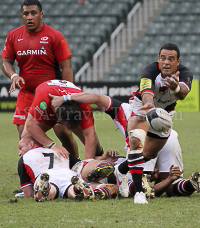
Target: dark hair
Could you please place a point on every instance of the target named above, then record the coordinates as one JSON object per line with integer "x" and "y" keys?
{"x": 70, "y": 112}
{"x": 30, "y": 3}
{"x": 171, "y": 46}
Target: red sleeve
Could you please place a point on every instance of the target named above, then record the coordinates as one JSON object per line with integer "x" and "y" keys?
{"x": 62, "y": 48}
{"x": 8, "y": 51}
{"x": 41, "y": 108}
{"x": 87, "y": 116}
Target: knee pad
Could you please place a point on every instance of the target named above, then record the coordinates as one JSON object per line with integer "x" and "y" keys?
{"x": 138, "y": 133}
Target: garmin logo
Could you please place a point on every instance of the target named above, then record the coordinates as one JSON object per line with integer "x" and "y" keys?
{"x": 32, "y": 52}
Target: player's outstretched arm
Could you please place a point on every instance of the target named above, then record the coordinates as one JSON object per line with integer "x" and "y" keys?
{"x": 179, "y": 90}
{"x": 148, "y": 103}
{"x": 102, "y": 101}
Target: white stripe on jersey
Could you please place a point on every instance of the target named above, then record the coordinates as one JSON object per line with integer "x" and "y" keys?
{"x": 63, "y": 83}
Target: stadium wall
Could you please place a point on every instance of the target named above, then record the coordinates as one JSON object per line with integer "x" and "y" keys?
{"x": 119, "y": 90}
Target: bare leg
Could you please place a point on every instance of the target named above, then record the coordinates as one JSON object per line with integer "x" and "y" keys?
{"x": 152, "y": 146}
{"x": 96, "y": 170}
{"x": 52, "y": 193}
{"x": 71, "y": 194}
{"x": 137, "y": 127}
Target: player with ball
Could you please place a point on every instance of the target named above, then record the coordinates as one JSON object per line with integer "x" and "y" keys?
{"x": 162, "y": 84}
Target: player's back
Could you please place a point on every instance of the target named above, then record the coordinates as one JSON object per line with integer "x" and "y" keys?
{"x": 41, "y": 159}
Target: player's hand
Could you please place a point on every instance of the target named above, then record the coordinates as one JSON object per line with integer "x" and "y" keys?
{"x": 146, "y": 107}
{"x": 16, "y": 81}
{"x": 154, "y": 175}
{"x": 172, "y": 82}
{"x": 61, "y": 151}
{"x": 110, "y": 155}
{"x": 56, "y": 102}
{"x": 174, "y": 172}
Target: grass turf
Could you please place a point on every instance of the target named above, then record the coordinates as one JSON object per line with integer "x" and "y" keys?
{"x": 160, "y": 212}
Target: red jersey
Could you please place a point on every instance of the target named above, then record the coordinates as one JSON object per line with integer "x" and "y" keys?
{"x": 41, "y": 107}
{"x": 37, "y": 54}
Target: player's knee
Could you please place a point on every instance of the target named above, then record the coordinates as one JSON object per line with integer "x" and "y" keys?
{"x": 137, "y": 137}
{"x": 148, "y": 156}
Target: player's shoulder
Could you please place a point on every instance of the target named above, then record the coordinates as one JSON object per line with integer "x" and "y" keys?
{"x": 33, "y": 153}
{"x": 184, "y": 70}
{"x": 17, "y": 31}
{"x": 151, "y": 71}
{"x": 154, "y": 66}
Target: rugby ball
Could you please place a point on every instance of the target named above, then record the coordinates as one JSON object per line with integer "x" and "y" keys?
{"x": 159, "y": 119}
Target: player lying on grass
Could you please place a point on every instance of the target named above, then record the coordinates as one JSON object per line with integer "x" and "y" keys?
{"x": 174, "y": 184}
{"x": 53, "y": 178}
{"x": 119, "y": 112}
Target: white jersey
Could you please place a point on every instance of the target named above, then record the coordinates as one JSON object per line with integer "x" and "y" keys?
{"x": 38, "y": 161}
{"x": 162, "y": 94}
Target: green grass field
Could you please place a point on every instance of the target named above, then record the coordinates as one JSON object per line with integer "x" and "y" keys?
{"x": 118, "y": 213}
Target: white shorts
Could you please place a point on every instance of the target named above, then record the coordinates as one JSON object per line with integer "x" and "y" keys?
{"x": 137, "y": 103}
{"x": 77, "y": 168}
{"x": 170, "y": 154}
{"x": 61, "y": 178}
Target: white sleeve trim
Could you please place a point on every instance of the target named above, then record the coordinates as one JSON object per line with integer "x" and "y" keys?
{"x": 110, "y": 102}
{"x": 183, "y": 83}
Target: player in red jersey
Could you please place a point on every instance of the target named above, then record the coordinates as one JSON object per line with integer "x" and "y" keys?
{"x": 41, "y": 118}
{"x": 40, "y": 51}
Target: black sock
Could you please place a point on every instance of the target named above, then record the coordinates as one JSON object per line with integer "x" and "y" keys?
{"x": 137, "y": 178}
{"x": 146, "y": 159}
{"x": 123, "y": 167}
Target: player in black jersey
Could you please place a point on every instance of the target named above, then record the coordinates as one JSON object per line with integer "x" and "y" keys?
{"x": 162, "y": 84}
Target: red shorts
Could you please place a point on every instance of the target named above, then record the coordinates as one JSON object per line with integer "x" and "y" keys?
{"x": 24, "y": 102}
